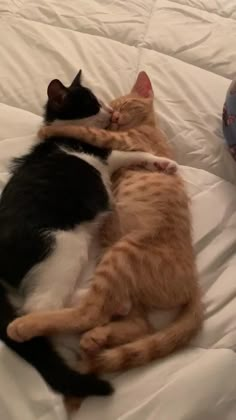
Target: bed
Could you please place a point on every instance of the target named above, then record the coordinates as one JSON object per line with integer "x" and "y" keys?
{"x": 188, "y": 49}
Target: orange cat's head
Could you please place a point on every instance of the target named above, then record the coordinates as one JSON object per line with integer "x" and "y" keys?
{"x": 136, "y": 108}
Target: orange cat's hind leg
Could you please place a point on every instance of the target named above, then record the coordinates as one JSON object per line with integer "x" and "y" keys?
{"x": 114, "y": 334}
{"x": 98, "y": 307}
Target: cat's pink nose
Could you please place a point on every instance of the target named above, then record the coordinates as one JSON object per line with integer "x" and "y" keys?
{"x": 115, "y": 117}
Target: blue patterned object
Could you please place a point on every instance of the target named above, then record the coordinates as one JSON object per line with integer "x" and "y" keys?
{"x": 229, "y": 118}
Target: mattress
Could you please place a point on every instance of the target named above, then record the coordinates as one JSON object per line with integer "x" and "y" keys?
{"x": 188, "y": 49}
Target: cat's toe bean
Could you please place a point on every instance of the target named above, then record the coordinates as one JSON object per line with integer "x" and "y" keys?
{"x": 158, "y": 166}
{"x": 122, "y": 309}
{"x": 171, "y": 168}
{"x": 151, "y": 166}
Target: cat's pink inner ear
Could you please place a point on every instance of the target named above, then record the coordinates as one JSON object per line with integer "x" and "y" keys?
{"x": 143, "y": 86}
{"x": 56, "y": 92}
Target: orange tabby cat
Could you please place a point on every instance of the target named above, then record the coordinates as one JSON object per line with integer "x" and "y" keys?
{"x": 152, "y": 265}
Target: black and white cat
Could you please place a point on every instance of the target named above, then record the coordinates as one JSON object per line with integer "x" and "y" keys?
{"x": 50, "y": 212}
{"x": 49, "y": 195}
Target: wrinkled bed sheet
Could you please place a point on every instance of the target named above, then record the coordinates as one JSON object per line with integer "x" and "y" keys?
{"x": 188, "y": 49}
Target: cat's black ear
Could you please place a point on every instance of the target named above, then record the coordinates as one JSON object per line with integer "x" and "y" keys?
{"x": 77, "y": 80}
{"x": 56, "y": 92}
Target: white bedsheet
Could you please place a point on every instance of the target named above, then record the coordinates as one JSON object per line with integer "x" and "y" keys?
{"x": 188, "y": 49}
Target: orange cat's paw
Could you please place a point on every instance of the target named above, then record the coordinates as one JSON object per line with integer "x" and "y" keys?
{"x": 43, "y": 133}
{"x": 95, "y": 340}
{"x": 19, "y": 330}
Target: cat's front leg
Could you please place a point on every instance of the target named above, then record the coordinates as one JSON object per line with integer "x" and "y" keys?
{"x": 119, "y": 159}
{"x": 127, "y": 141}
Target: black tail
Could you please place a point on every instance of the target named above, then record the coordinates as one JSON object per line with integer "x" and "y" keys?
{"x": 40, "y": 353}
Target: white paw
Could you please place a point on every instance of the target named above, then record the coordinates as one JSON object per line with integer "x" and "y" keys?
{"x": 162, "y": 165}
{"x": 171, "y": 167}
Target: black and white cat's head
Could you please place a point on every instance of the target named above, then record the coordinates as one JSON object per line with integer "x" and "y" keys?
{"x": 75, "y": 104}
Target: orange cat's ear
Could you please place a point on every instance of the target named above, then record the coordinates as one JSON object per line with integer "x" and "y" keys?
{"x": 143, "y": 86}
